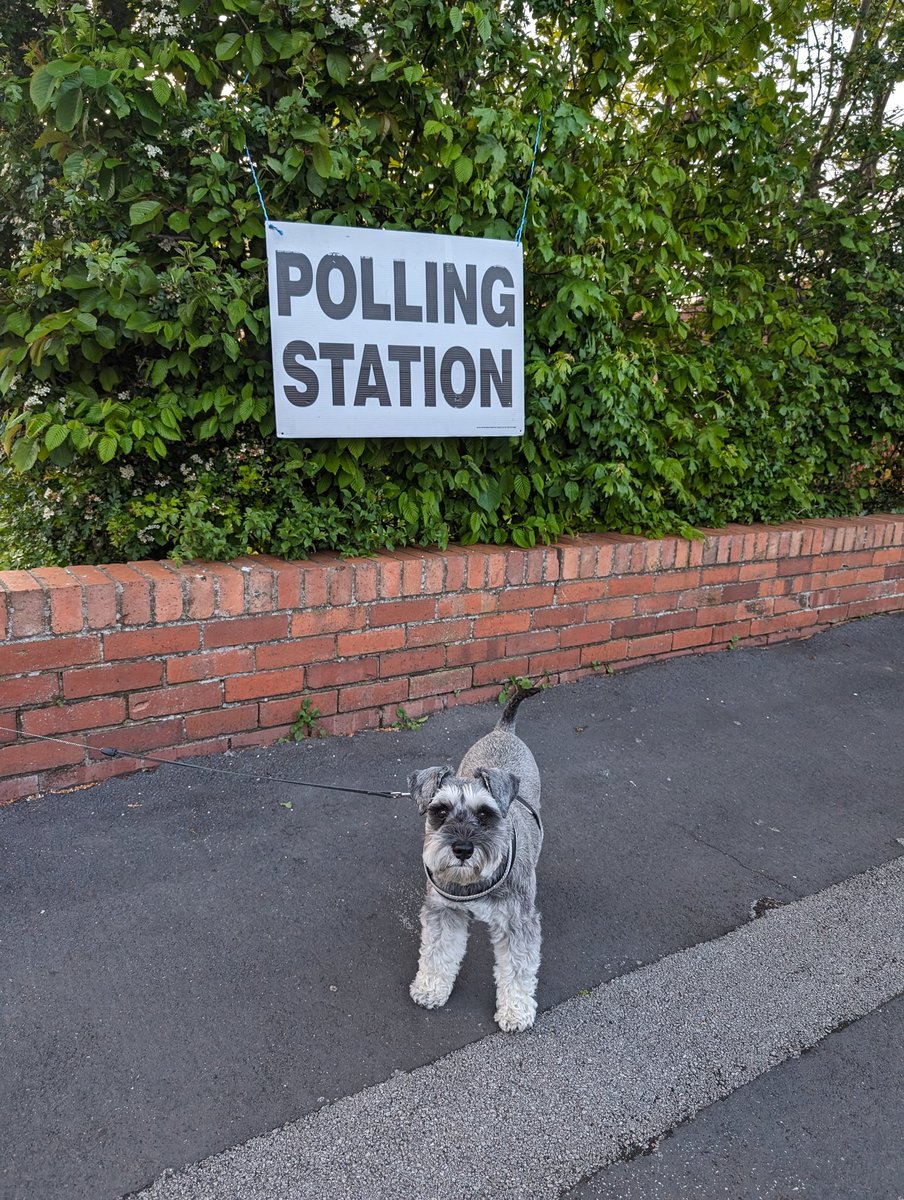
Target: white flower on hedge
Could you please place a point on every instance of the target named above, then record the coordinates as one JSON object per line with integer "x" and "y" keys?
{"x": 152, "y": 151}
{"x": 127, "y": 472}
{"x": 342, "y": 18}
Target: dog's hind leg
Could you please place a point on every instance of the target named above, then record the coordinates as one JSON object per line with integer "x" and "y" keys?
{"x": 444, "y": 939}
{"x": 516, "y": 945}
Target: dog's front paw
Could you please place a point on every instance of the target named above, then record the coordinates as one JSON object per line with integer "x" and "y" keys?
{"x": 430, "y": 991}
{"x": 514, "y": 1014}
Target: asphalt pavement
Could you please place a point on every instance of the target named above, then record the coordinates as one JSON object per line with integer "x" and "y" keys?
{"x": 190, "y": 961}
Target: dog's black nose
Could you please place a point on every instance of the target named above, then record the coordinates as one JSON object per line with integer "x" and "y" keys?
{"x": 462, "y": 849}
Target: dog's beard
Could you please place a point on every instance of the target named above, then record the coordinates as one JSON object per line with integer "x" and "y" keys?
{"x": 446, "y": 867}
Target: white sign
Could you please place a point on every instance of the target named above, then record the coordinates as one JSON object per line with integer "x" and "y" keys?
{"x": 377, "y": 333}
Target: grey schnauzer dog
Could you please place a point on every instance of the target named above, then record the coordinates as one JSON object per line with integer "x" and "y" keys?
{"x": 481, "y": 843}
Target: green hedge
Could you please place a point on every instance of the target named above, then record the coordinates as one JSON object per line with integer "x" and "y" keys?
{"x": 714, "y": 326}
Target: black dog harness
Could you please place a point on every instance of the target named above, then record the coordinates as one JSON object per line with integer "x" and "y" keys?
{"x": 463, "y": 893}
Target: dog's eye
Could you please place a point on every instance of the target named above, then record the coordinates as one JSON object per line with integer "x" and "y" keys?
{"x": 439, "y": 813}
{"x": 485, "y": 815}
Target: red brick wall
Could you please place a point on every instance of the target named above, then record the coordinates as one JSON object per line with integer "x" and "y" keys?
{"x": 208, "y": 656}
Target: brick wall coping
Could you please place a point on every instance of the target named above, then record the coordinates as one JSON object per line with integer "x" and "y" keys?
{"x": 205, "y": 656}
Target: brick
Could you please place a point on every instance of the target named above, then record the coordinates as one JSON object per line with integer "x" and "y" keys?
{"x": 633, "y": 627}
{"x": 466, "y": 604}
{"x": 285, "y": 712}
{"x": 371, "y": 641}
{"x": 401, "y": 611}
{"x": 263, "y": 684}
{"x": 413, "y": 709}
{"x": 261, "y": 737}
{"x": 477, "y": 568}
{"x": 389, "y": 571}
{"x": 133, "y": 593}
{"x": 612, "y": 651}
{"x": 260, "y": 584}
{"x": 728, "y": 633}
{"x": 28, "y": 689}
{"x": 527, "y": 597}
{"x": 200, "y": 593}
{"x": 495, "y": 568}
{"x": 719, "y": 614}
{"x": 465, "y": 653}
{"x": 211, "y": 664}
{"x": 676, "y": 581}
{"x": 144, "y": 735}
{"x": 683, "y": 639}
{"x": 512, "y": 622}
{"x": 19, "y": 788}
{"x": 326, "y": 620}
{"x": 314, "y": 584}
{"x": 434, "y": 579}
{"x": 860, "y": 575}
{"x": 412, "y": 574}
{"x": 49, "y": 654}
{"x": 333, "y": 674}
{"x": 141, "y": 643}
{"x": 212, "y": 745}
{"x": 759, "y": 571}
{"x": 435, "y": 632}
{"x": 549, "y": 558}
{"x": 367, "y": 581}
{"x": 104, "y": 680}
{"x": 372, "y": 695}
{"x": 64, "y": 718}
{"x": 440, "y": 681}
{"x": 182, "y": 698}
{"x": 65, "y": 596}
{"x": 554, "y": 662}
{"x": 611, "y": 609}
{"x": 166, "y": 590}
{"x": 346, "y": 724}
{"x": 727, "y": 573}
{"x": 535, "y": 565}
{"x": 25, "y": 757}
{"x": 456, "y": 561}
{"x": 244, "y": 631}
{"x": 581, "y": 592}
{"x": 99, "y": 594}
{"x": 656, "y": 602}
{"x": 532, "y": 642}
{"x": 674, "y": 620}
{"x": 339, "y": 585}
{"x": 219, "y": 722}
{"x": 229, "y": 584}
{"x": 515, "y": 566}
{"x": 785, "y": 622}
{"x": 403, "y": 663}
{"x": 500, "y": 670}
{"x": 552, "y": 618}
{"x": 588, "y": 633}
{"x": 473, "y": 695}
{"x": 643, "y": 647}
{"x": 294, "y": 653}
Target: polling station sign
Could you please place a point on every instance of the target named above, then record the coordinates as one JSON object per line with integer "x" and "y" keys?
{"x": 378, "y": 333}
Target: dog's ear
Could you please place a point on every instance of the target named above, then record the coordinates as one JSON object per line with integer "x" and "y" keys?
{"x": 424, "y": 785}
{"x": 502, "y": 786}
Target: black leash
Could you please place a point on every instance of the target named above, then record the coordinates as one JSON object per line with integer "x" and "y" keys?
{"x": 110, "y": 752}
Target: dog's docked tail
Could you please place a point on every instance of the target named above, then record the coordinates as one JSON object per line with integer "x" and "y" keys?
{"x": 510, "y": 712}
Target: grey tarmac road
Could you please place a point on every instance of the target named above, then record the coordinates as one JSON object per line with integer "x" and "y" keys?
{"x": 186, "y": 964}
